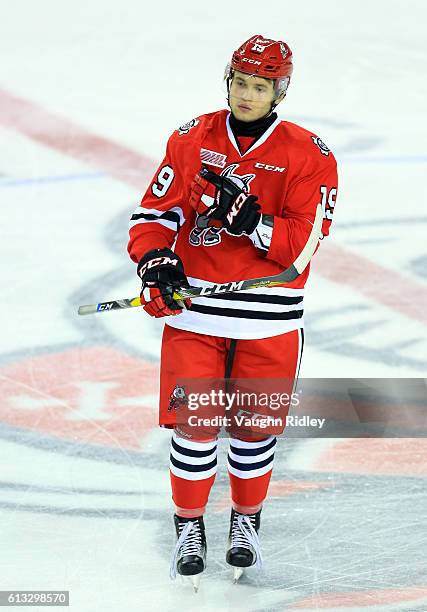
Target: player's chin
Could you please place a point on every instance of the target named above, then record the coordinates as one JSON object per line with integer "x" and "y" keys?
{"x": 247, "y": 114}
{"x": 244, "y": 116}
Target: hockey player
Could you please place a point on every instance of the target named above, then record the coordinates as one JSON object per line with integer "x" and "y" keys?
{"x": 234, "y": 198}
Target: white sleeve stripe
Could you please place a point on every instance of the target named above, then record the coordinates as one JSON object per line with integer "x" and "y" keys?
{"x": 155, "y": 211}
{"x": 169, "y": 224}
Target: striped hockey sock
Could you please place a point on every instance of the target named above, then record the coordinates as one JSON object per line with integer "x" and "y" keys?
{"x": 249, "y": 468}
{"x": 192, "y": 472}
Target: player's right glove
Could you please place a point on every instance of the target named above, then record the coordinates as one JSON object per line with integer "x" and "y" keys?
{"x": 162, "y": 273}
{"x": 232, "y": 207}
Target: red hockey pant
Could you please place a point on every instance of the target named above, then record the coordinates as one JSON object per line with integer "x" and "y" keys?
{"x": 193, "y": 459}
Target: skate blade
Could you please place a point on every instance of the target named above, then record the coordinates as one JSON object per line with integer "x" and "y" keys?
{"x": 237, "y": 572}
{"x": 195, "y": 581}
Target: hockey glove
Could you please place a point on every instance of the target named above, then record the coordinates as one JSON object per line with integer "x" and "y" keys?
{"x": 162, "y": 273}
{"x": 197, "y": 189}
{"x": 238, "y": 211}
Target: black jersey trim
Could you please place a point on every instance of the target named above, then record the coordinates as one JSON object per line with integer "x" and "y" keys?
{"x": 168, "y": 215}
{"x": 247, "y": 314}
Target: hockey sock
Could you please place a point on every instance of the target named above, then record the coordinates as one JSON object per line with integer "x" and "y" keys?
{"x": 250, "y": 465}
{"x": 192, "y": 472}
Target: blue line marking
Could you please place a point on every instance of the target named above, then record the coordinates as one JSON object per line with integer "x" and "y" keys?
{"x": 89, "y": 176}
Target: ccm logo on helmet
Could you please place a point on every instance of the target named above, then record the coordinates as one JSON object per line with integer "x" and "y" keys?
{"x": 251, "y": 61}
{"x": 268, "y": 167}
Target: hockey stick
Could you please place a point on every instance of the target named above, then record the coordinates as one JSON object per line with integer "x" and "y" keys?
{"x": 287, "y": 276}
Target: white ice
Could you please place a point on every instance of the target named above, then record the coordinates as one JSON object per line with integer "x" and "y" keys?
{"x": 87, "y": 508}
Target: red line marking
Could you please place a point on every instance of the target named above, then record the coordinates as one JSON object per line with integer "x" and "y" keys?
{"x": 364, "y": 600}
{"x": 397, "y": 457}
{"x": 382, "y": 285}
{"x": 63, "y": 135}
{"x": 335, "y": 263}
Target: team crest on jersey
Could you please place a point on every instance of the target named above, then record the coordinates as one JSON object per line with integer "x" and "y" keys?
{"x": 184, "y": 129}
{"x": 177, "y": 398}
{"x": 207, "y": 231}
{"x": 323, "y": 148}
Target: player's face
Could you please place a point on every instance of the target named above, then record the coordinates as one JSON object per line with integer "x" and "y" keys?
{"x": 250, "y": 96}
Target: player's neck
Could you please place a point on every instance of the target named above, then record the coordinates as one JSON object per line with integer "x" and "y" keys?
{"x": 251, "y": 128}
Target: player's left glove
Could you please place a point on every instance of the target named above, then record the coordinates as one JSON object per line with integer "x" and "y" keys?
{"x": 238, "y": 211}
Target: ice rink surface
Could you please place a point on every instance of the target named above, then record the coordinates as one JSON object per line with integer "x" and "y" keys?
{"x": 89, "y": 92}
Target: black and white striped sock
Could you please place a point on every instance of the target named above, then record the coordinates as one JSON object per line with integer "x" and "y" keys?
{"x": 251, "y": 459}
{"x": 193, "y": 460}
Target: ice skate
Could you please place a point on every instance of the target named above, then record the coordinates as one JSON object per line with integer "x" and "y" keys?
{"x": 244, "y": 548}
{"x": 189, "y": 556}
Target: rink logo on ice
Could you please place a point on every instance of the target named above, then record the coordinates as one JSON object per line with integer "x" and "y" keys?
{"x": 186, "y": 127}
{"x": 323, "y": 148}
{"x": 95, "y": 396}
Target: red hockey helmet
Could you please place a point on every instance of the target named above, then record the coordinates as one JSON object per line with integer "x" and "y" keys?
{"x": 263, "y": 57}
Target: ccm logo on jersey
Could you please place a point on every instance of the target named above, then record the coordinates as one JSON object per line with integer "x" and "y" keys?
{"x": 269, "y": 167}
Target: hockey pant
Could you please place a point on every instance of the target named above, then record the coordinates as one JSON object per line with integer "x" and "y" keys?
{"x": 193, "y": 459}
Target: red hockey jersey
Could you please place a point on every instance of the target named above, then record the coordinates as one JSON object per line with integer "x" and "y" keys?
{"x": 290, "y": 170}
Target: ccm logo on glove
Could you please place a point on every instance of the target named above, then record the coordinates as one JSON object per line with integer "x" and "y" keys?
{"x": 162, "y": 273}
{"x": 237, "y": 205}
{"x": 157, "y": 261}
